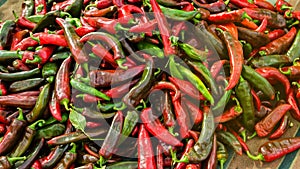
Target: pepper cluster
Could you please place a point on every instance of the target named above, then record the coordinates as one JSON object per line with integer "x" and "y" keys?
{"x": 147, "y": 83}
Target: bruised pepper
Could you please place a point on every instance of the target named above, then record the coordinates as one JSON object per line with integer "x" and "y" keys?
{"x": 13, "y": 133}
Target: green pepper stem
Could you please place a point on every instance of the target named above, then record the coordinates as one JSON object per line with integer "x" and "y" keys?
{"x": 243, "y": 134}
{"x": 252, "y": 136}
{"x": 101, "y": 161}
{"x": 21, "y": 115}
{"x": 91, "y": 43}
{"x": 90, "y": 5}
{"x": 296, "y": 84}
{"x": 258, "y": 157}
{"x": 35, "y": 38}
{"x": 39, "y": 123}
{"x": 219, "y": 29}
{"x": 62, "y": 14}
{"x": 246, "y": 16}
{"x": 73, "y": 149}
{"x": 285, "y": 7}
{"x": 12, "y": 160}
{"x": 222, "y": 161}
{"x": 262, "y": 53}
{"x": 65, "y": 103}
{"x": 238, "y": 107}
{"x": 36, "y": 59}
{"x": 122, "y": 107}
{"x": 50, "y": 79}
{"x": 120, "y": 63}
{"x": 288, "y": 72}
{"x": 119, "y": 27}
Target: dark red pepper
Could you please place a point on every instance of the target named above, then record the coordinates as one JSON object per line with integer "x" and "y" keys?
{"x": 54, "y": 107}
{"x": 183, "y": 119}
{"x": 118, "y": 3}
{"x": 104, "y": 4}
{"x": 263, "y": 25}
{"x": 243, "y": 3}
{"x": 187, "y": 148}
{"x": 167, "y": 85}
{"x": 265, "y": 126}
{"x": 83, "y": 30}
{"x": 154, "y": 126}
{"x": 104, "y": 54}
{"x": 195, "y": 113}
{"x": 2, "y": 127}
{"x": 146, "y": 27}
{"x": 256, "y": 99}
{"x": 264, "y": 4}
{"x": 275, "y": 34}
{"x": 119, "y": 91}
{"x": 17, "y": 37}
{"x": 227, "y": 17}
{"x": 295, "y": 112}
{"x": 214, "y": 7}
{"x": 109, "y": 25}
{"x": 159, "y": 157}
{"x": 146, "y": 156}
{"x": 99, "y": 12}
{"x": 36, "y": 165}
{"x": 283, "y": 126}
{"x": 125, "y": 13}
{"x": 25, "y": 43}
{"x": 292, "y": 72}
{"x": 25, "y": 23}
{"x": 281, "y": 3}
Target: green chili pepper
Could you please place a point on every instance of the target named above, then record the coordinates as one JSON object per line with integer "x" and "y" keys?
{"x": 52, "y": 120}
{"x": 50, "y": 131}
{"x": 130, "y": 122}
{"x": 294, "y": 51}
{"x": 193, "y": 53}
{"x": 49, "y": 69}
{"x": 230, "y": 140}
{"x": 247, "y": 48}
{"x": 180, "y": 15}
{"x": 107, "y": 107}
{"x": 243, "y": 93}
{"x": 25, "y": 142}
{"x": 19, "y": 75}
{"x": 40, "y": 105}
{"x": 173, "y": 66}
{"x": 219, "y": 107}
{"x": 24, "y": 85}
{"x": 46, "y": 20}
{"x": 258, "y": 82}
{"x": 270, "y": 60}
{"x": 60, "y": 56}
{"x": 5, "y": 30}
{"x": 88, "y": 89}
{"x": 75, "y": 8}
{"x": 150, "y": 49}
{"x": 203, "y": 146}
{"x": 6, "y": 55}
{"x": 74, "y": 21}
{"x": 35, "y": 18}
{"x": 195, "y": 80}
{"x": 222, "y": 154}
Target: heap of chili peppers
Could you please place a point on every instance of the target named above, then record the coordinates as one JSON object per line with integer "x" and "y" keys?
{"x": 147, "y": 83}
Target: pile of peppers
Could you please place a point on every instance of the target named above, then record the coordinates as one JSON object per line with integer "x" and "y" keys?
{"x": 147, "y": 84}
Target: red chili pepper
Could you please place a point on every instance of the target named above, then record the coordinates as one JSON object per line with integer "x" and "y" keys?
{"x": 235, "y": 52}
{"x": 256, "y": 99}
{"x": 295, "y": 109}
{"x": 231, "y": 28}
{"x": 146, "y": 158}
{"x": 36, "y": 165}
{"x": 83, "y": 30}
{"x": 3, "y": 89}
{"x": 2, "y": 128}
{"x": 280, "y": 45}
{"x": 248, "y": 24}
{"x": 119, "y": 91}
{"x": 163, "y": 28}
{"x": 292, "y": 72}
{"x": 54, "y": 107}
{"x": 243, "y": 3}
{"x": 62, "y": 87}
{"x": 91, "y": 152}
{"x": 194, "y": 111}
{"x": 154, "y": 126}
{"x": 118, "y": 3}
{"x": 146, "y": 27}
{"x": 266, "y": 125}
{"x": 241, "y": 141}
{"x": 43, "y": 55}
{"x": 61, "y": 5}
{"x": 104, "y": 54}
{"x": 263, "y": 26}
{"x": 50, "y": 39}
{"x": 272, "y": 74}
{"x": 217, "y": 67}
{"x": 227, "y": 17}
{"x": 87, "y": 98}
{"x": 275, "y": 20}
{"x": 159, "y": 157}
{"x": 194, "y": 134}
{"x": 104, "y": 4}
{"x": 40, "y": 7}
{"x": 186, "y": 87}
{"x": 17, "y": 37}
{"x": 275, "y": 34}
{"x": 170, "y": 86}
{"x": 177, "y": 28}
{"x": 187, "y": 6}
{"x": 296, "y": 15}
{"x": 264, "y": 4}
{"x": 183, "y": 119}
{"x": 91, "y": 124}
{"x": 25, "y": 23}
{"x": 229, "y": 114}
{"x": 25, "y": 43}
{"x": 279, "y": 4}
{"x": 99, "y": 12}
{"x": 109, "y": 25}
{"x": 187, "y": 148}
{"x": 125, "y": 13}
{"x": 214, "y": 7}
{"x": 283, "y": 126}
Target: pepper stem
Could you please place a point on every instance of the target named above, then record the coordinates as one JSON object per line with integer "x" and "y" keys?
{"x": 119, "y": 27}
{"x": 258, "y": 157}
{"x": 73, "y": 149}
{"x": 262, "y": 53}
{"x": 63, "y": 14}
{"x": 243, "y": 134}
{"x": 238, "y": 107}
{"x": 285, "y": 7}
{"x": 120, "y": 63}
{"x": 36, "y": 59}
{"x": 65, "y": 103}
{"x": 35, "y": 38}
{"x": 50, "y": 79}
{"x": 296, "y": 84}
{"x": 252, "y": 136}
{"x": 222, "y": 161}
{"x": 246, "y": 16}
{"x": 40, "y": 123}
{"x": 12, "y": 160}
{"x": 21, "y": 115}
{"x": 122, "y": 107}
{"x": 90, "y": 5}
{"x": 288, "y": 72}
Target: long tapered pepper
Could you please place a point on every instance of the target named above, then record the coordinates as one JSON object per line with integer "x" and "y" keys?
{"x": 145, "y": 152}
{"x": 199, "y": 152}
{"x": 112, "y": 137}
{"x": 13, "y": 133}
{"x": 110, "y": 25}
{"x": 229, "y": 139}
{"x": 8, "y": 162}
{"x": 62, "y": 87}
{"x": 153, "y": 125}
{"x": 5, "y": 32}
{"x": 183, "y": 119}
{"x": 196, "y": 115}
{"x": 18, "y": 101}
{"x": 68, "y": 159}
{"x": 73, "y": 41}
{"x": 17, "y": 37}
{"x": 255, "y": 38}
{"x": 99, "y": 12}
{"x": 235, "y": 52}
{"x": 283, "y": 126}
{"x": 50, "y": 39}
{"x": 54, "y": 107}
{"x": 41, "y": 104}
{"x": 227, "y": 17}
{"x": 293, "y": 51}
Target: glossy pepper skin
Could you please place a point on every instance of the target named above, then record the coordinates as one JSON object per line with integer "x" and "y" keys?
{"x": 282, "y": 128}
{"x": 230, "y": 140}
{"x": 145, "y": 152}
{"x": 68, "y": 159}
{"x": 154, "y": 126}
{"x": 265, "y": 126}
{"x": 13, "y": 133}
{"x": 40, "y": 105}
{"x": 199, "y": 152}
{"x": 293, "y": 51}
{"x": 5, "y": 32}
{"x": 243, "y": 93}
